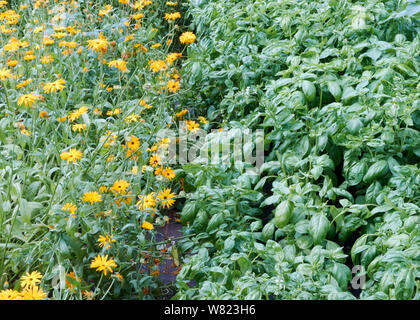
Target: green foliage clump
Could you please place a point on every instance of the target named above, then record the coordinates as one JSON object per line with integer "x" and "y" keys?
{"x": 334, "y": 85}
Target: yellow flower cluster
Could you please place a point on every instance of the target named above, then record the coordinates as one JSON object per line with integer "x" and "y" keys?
{"x": 31, "y": 291}
{"x": 71, "y": 156}
{"x": 102, "y": 263}
{"x": 93, "y": 98}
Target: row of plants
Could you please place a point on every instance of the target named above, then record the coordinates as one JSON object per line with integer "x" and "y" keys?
{"x": 334, "y": 211}
{"x": 85, "y": 86}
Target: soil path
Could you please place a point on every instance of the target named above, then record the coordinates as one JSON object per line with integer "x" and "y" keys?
{"x": 168, "y": 269}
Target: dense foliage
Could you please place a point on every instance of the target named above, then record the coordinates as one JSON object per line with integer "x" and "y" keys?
{"x": 85, "y": 87}
{"x": 335, "y": 86}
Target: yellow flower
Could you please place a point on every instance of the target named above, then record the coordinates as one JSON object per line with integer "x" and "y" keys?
{"x": 134, "y": 143}
{"x": 168, "y": 173}
{"x": 144, "y": 104}
{"x": 138, "y": 16}
{"x": 69, "y": 44}
{"x": 132, "y": 118}
{"x": 158, "y": 171}
{"x": 120, "y": 186}
{"x": 203, "y": 120}
{"x": 13, "y": 45}
{"x": 173, "y": 86}
{"x": 146, "y": 202}
{"x": 25, "y": 132}
{"x": 181, "y": 113}
{"x": 47, "y": 59}
{"x": 166, "y": 198}
{"x": 164, "y": 143}
{"x": 44, "y": 115}
{"x": 172, "y": 16}
{"x": 4, "y": 29}
{"x": 54, "y": 86}
{"x": 106, "y": 241}
{"x": 33, "y": 293}
{"x": 147, "y": 225}
{"x": 141, "y": 4}
{"x": 101, "y": 263}
{"x": 62, "y": 119}
{"x": 78, "y": 127}
{"x": 157, "y": 65}
{"x": 12, "y": 63}
{"x": 187, "y": 37}
{"x": 47, "y": 41}
{"x": 70, "y": 207}
{"x": 72, "y": 30}
{"x": 172, "y": 57}
{"x": 23, "y": 84}
{"x": 31, "y": 279}
{"x": 38, "y": 29}
{"x": 99, "y": 45}
{"x": 9, "y": 294}
{"x": 5, "y": 74}
{"x": 107, "y": 10}
{"x": 113, "y": 112}
{"x": 119, "y": 64}
{"x": 92, "y": 197}
{"x": 76, "y": 114}
{"x": 27, "y": 99}
{"x": 154, "y": 160}
{"x": 29, "y": 57}
{"x": 192, "y": 125}
{"x": 134, "y": 170}
{"x": 129, "y": 37}
{"x": 59, "y": 35}
{"x": 153, "y": 148}
{"x": 71, "y": 156}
